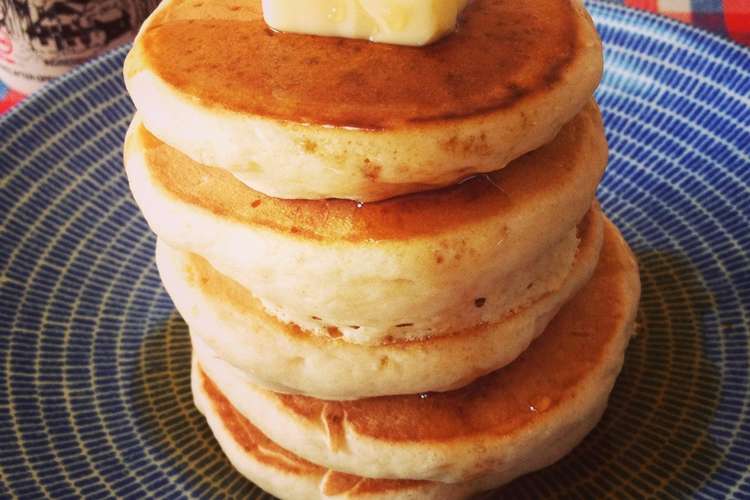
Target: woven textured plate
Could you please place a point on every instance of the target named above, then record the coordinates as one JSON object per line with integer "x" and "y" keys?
{"x": 94, "y": 384}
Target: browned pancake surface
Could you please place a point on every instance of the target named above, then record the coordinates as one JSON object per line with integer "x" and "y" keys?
{"x": 548, "y": 374}
{"x": 224, "y": 54}
{"x": 265, "y": 451}
{"x": 577, "y": 153}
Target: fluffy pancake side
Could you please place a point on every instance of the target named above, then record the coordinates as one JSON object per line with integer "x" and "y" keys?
{"x": 232, "y": 332}
{"x": 317, "y": 117}
{"x": 525, "y": 415}
{"x": 407, "y": 267}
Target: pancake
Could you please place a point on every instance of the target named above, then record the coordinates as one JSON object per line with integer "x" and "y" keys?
{"x": 517, "y": 419}
{"x": 288, "y": 476}
{"x": 425, "y": 264}
{"x": 297, "y": 116}
{"x": 232, "y": 333}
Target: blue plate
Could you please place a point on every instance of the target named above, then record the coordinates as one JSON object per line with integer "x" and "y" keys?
{"x": 94, "y": 387}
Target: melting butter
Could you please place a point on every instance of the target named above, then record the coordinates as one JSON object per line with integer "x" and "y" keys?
{"x": 402, "y": 22}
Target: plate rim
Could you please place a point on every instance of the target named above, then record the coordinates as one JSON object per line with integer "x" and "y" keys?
{"x": 92, "y": 67}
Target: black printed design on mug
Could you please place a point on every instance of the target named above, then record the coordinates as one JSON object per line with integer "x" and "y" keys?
{"x": 66, "y": 26}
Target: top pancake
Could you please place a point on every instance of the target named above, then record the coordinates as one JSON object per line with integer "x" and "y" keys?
{"x": 502, "y": 52}
{"x": 380, "y": 120}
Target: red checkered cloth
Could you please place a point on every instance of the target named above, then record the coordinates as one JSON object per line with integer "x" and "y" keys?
{"x": 730, "y": 18}
{"x": 8, "y": 98}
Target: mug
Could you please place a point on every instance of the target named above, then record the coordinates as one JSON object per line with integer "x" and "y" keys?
{"x": 42, "y": 39}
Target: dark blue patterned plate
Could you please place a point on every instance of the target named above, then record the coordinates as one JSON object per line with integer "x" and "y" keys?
{"x": 94, "y": 389}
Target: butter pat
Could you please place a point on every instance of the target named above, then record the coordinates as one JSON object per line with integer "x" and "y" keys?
{"x": 403, "y": 22}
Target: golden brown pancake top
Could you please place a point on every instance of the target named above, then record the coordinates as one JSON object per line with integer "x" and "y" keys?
{"x": 548, "y": 374}
{"x": 262, "y": 449}
{"x": 578, "y": 152}
{"x": 223, "y": 53}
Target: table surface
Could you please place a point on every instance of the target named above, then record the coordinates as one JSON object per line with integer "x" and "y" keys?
{"x": 729, "y": 18}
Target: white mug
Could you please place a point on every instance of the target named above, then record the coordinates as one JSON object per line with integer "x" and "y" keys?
{"x": 42, "y": 39}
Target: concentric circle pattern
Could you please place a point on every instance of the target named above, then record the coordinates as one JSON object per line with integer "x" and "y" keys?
{"x": 94, "y": 383}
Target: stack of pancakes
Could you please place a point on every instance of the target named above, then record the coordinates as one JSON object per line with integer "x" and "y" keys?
{"x": 397, "y": 280}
